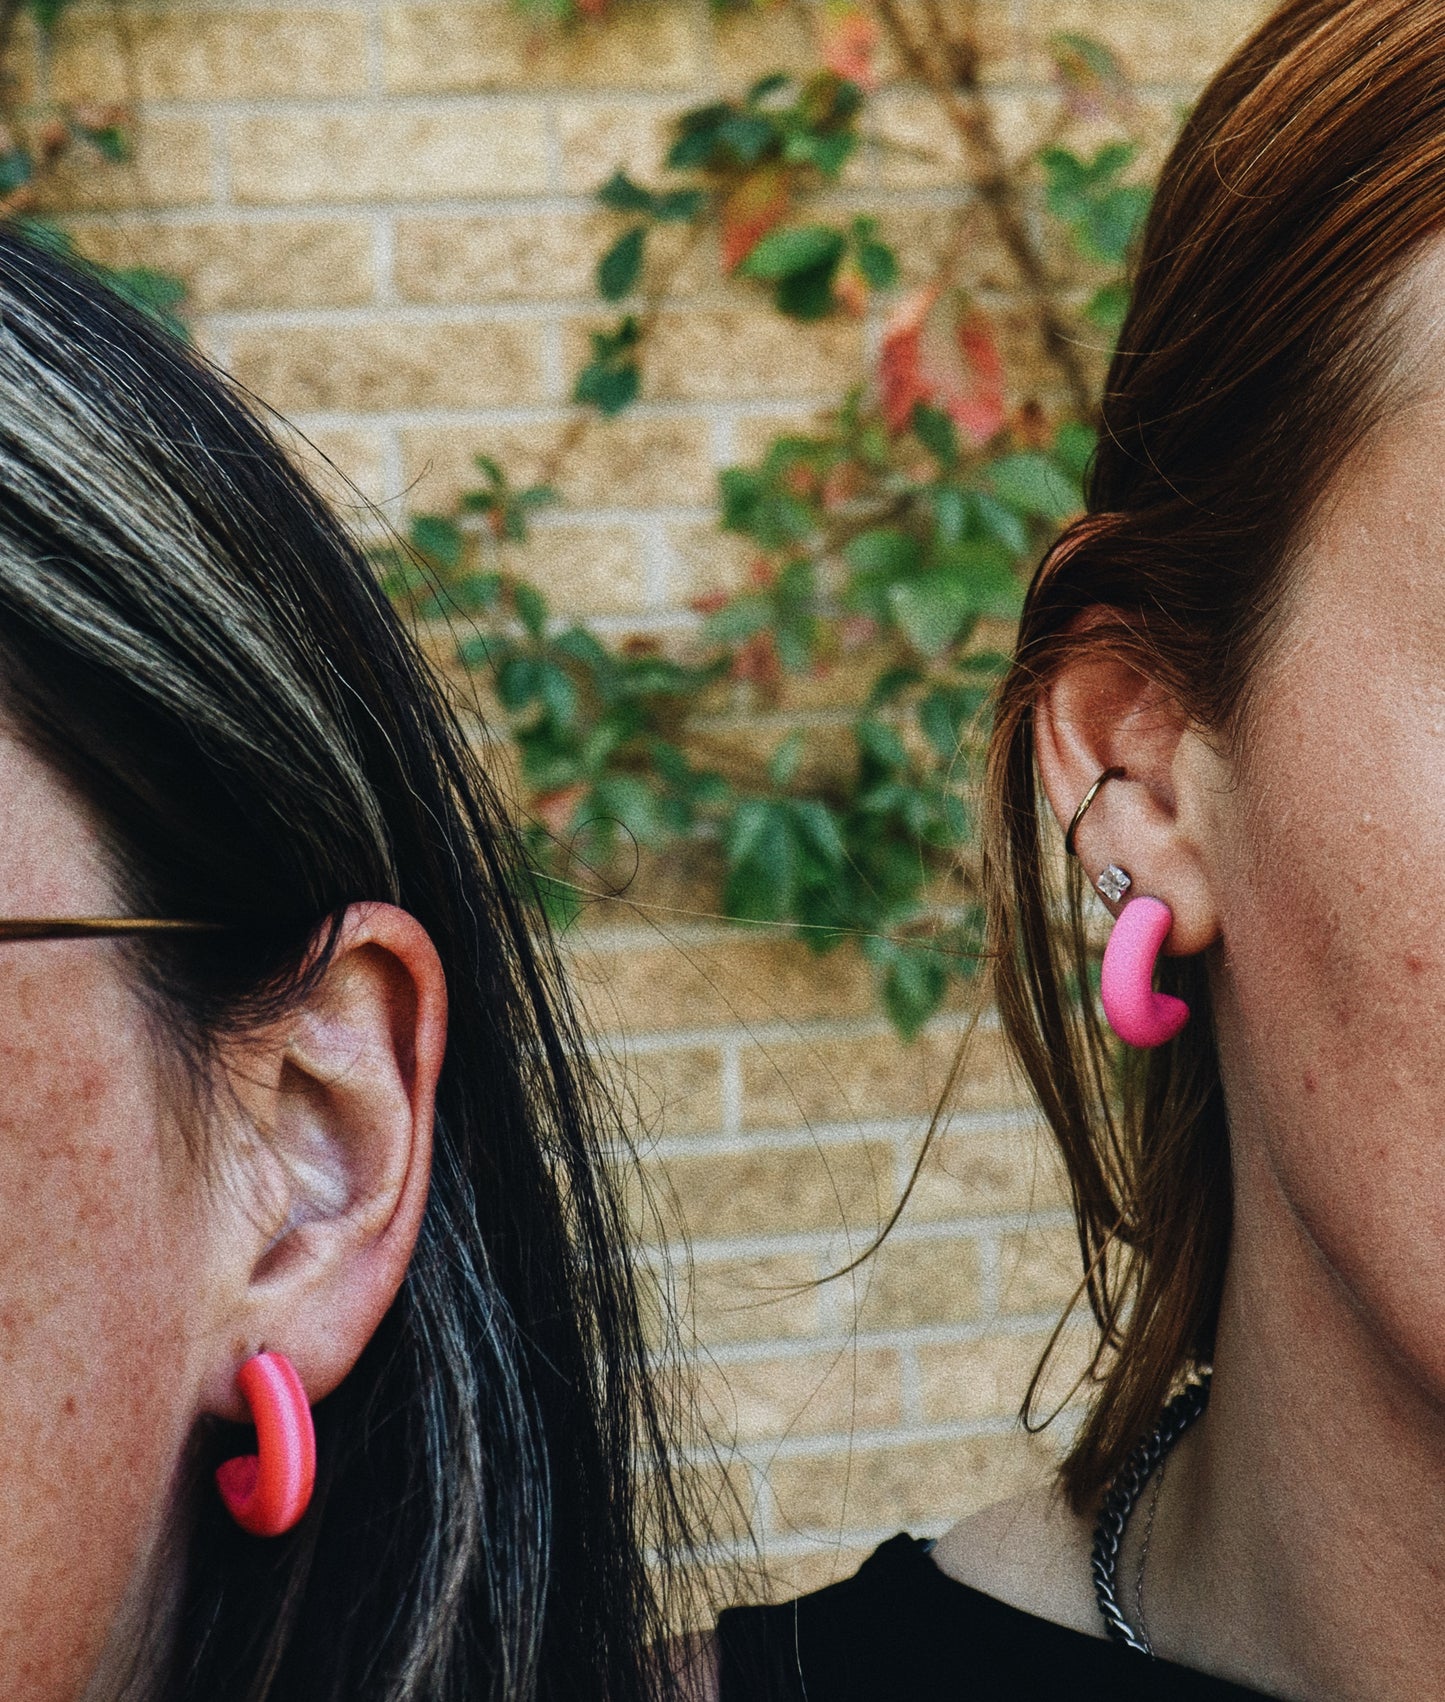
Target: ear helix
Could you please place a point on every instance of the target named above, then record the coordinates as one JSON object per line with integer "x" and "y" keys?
{"x": 1137, "y": 1014}
{"x": 267, "y": 1492}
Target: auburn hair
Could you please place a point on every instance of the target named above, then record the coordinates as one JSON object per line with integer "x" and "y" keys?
{"x": 1260, "y": 351}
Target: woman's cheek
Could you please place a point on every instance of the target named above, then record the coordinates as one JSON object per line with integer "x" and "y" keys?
{"x": 96, "y": 1265}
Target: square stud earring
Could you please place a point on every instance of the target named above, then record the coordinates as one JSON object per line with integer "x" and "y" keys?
{"x": 1113, "y": 883}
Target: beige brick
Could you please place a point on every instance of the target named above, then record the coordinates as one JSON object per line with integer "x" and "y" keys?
{"x": 667, "y": 1093}
{"x": 754, "y": 432}
{"x": 805, "y": 1395}
{"x": 769, "y": 1192}
{"x": 595, "y": 138}
{"x": 1157, "y": 41}
{"x": 786, "y": 1576}
{"x": 734, "y": 353}
{"x": 922, "y": 1487}
{"x": 231, "y": 263}
{"x": 390, "y": 365}
{"x": 144, "y": 53}
{"x": 460, "y": 47}
{"x": 632, "y": 461}
{"x": 348, "y": 467}
{"x": 989, "y": 1378}
{"x": 910, "y": 1283}
{"x": 957, "y": 245}
{"x": 584, "y": 570}
{"x": 728, "y": 982}
{"x": 872, "y": 1075}
{"x": 706, "y": 560}
{"x": 526, "y": 257}
{"x": 1039, "y": 1269}
{"x": 918, "y": 148}
{"x": 453, "y": 151}
{"x": 983, "y": 1172}
{"x": 739, "y": 1300}
{"x": 679, "y": 882}
{"x": 170, "y": 167}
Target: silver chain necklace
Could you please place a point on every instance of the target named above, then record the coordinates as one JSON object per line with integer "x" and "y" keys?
{"x": 1123, "y": 1493}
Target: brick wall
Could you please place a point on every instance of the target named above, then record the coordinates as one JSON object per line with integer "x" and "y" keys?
{"x": 382, "y": 211}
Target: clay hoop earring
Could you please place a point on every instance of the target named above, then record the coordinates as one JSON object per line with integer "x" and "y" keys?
{"x": 1137, "y": 1014}
{"x": 268, "y": 1491}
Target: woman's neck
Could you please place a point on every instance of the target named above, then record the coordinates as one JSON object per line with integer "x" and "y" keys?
{"x": 1299, "y": 1543}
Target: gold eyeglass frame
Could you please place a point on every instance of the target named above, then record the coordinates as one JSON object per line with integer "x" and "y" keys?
{"x": 98, "y": 927}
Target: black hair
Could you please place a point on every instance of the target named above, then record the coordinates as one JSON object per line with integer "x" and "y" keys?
{"x": 191, "y": 638}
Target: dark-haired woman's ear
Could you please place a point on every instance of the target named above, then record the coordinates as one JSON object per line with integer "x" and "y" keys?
{"x": 1154, "y": 821}
{"x": 327, "y": 1163}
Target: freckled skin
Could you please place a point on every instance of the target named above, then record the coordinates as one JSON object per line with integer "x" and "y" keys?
{"x": 101, "y": 1267}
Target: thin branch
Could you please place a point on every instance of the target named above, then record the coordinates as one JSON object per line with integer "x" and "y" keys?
{"x": 954, "y": 80}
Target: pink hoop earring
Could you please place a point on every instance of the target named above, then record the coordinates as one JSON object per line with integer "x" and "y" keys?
{"x": 268, "y": 1491}
{"x": 1136, "y": 1013}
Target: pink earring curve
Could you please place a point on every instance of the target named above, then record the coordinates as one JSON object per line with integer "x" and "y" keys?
{"x": 268, "y": 1491}
{"x": 1136, "y": 1013}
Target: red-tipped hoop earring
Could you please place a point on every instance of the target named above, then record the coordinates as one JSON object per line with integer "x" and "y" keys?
{"x": 268, "y": 1491}
{"x": 1136, "y": 1013}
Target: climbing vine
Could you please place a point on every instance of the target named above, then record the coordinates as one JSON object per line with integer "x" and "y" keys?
{"x": 897, "y": 534}
{"x": 36, "y": 138}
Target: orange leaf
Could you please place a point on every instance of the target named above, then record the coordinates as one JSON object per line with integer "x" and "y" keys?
{"x": 756, "y": 205}
{"x": 848, "y": 40}
{"x": 941, "y": 350}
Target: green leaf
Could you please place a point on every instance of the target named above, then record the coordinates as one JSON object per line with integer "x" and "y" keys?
{"x": 608, "y": 387}
{"x": 774, "y": 83}
{"x": 879, "y": 741}
{"x": 876, "y": 260}
{"x": 517, "y": 683}
{"x": 800, "y": 248}
{"x": 807, "y": 295}
{"x": 47, "y": 12}
{"x": 783, "y": 763}
{"x": 531, "y": 607}
{"x": 818, "y": 828}
{"x": 737, "y": 620}
{"x": 762, "y": 885}
{"x": 558, "y": 694}
{"x": 912, "y": 988}
{"x": 629, "y": 801}
{"x": 884, "y": 550}
{"x": 582, "y": 646}
{"x": 1108, "y": 232}
{"x": 621, "y": 266}
{"x": 622, "y": 195}
{"x": 1001, "y": 524}
{"x": 989, "y": 573}
{"x": 435, "y": 536}
{"x": 932, "y": 609}
{"x": 156, "y": 294}
{"x": 746, "y": 136}
{"x": 679, "y": 206}
{"x": 1108, "y": 307}
{"x": 1074, "y": 445}
{"x": 1031, "y": 484}
{"x": 742, "y": 833}
{"x": 936, "y": 432}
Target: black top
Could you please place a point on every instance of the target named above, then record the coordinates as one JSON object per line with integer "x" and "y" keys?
{"x": 900, "y": 1628}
